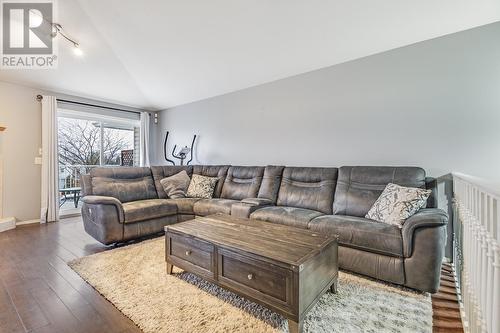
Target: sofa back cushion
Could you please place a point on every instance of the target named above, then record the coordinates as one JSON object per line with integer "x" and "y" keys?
{"x": 271, "y": 183}
{"x": 310, "y": 188}
{"x": 242, "y": 182}
{"x": 358, "y": 187}
{"x": 219, "y": 171}
{"x": 164, "y": 171}
{"x": 124, "y": 184}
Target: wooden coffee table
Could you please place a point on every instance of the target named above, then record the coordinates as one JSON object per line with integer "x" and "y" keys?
{"x": 283, "y": 268}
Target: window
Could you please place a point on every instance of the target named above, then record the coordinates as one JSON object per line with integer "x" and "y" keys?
{"x": 89, "y": 140}
{"x": 119, "y": 145}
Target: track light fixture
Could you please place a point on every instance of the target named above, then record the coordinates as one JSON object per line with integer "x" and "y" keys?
{"x": 57, "y": 29}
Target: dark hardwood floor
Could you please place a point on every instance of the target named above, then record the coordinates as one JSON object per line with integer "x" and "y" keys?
{"x": 40, "y": 293}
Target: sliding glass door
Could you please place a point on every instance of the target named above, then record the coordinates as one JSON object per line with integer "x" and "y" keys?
{"x": 87, "y": 141}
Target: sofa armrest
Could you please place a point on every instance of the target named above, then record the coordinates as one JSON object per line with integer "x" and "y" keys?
{"x": 257, "y": 201}
{"x": 102, "y": 200}
{"x": 103, "y": 218}
{"x": 425, "y": 218}
{"x": 247, "y": 206}
{"x": 424, "y": 239}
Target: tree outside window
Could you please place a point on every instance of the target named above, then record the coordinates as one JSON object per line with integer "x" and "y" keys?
{"x": 85, "y": 144}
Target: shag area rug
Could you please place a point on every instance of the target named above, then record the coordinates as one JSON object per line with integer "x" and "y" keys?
{"x": 133, "y": 278}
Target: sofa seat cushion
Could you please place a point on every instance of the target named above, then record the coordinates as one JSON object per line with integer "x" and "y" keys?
{"x": 206, "y": 207}
{"x": 292, "y": 216}
{"x": 361, "y": 233}
{"x": 142, "y": 210}
{"x": 184, "y": 205}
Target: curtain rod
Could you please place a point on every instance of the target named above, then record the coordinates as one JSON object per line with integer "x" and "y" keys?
{"x": 40, "y": 97}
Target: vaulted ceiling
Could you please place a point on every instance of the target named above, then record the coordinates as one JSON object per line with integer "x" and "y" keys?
{"x": 157, "y": 54}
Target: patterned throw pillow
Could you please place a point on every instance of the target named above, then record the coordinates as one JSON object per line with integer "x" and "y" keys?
{"x": 202, "y": 187}
{"x": 176, "y": 186}
{"x": 397, "y": 203}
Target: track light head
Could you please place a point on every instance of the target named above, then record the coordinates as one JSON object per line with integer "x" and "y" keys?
{"x": 77, "y": 50}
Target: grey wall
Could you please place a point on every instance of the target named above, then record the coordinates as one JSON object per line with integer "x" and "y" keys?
{"x": 434, "y": 104}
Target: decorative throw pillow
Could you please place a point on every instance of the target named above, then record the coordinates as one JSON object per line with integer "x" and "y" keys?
{"x": 176, "y": 186}
{"x": 397, "y": 203}
{"x": 202, "y": 187}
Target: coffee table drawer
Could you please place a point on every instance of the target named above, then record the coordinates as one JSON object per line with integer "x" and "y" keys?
{"x": 258, "y": 276}
{"x": 192, "y": 251}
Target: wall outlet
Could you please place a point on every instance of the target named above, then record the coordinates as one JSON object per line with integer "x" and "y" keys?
{"x": 38, "y": 160}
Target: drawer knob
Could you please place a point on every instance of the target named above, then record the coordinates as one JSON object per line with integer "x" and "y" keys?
{"x": 250, "y": 276}
{"x": 188, "y": 253}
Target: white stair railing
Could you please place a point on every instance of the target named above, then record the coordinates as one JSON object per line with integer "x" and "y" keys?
{"x": 477, "y": 252}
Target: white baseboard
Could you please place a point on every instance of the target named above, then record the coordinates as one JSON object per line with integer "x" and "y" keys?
{"x": 7, "y": 223}
{"x": 28, "y": 222}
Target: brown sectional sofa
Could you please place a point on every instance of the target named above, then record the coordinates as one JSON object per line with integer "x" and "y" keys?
{"x": 120, "y": 204}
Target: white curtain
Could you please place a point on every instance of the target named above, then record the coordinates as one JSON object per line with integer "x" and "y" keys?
{"x": 144, "y": 142}
{"x": 50, "y": 190}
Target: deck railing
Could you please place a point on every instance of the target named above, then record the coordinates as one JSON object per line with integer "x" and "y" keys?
{"x": 69, "y": 175}
{"x": 477, "y": 252}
